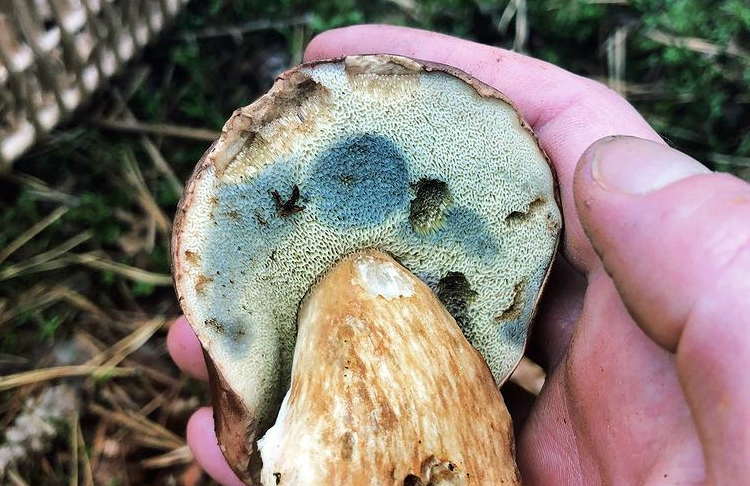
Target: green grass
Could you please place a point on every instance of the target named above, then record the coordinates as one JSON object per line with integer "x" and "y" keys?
{"x": 99, "y": 270}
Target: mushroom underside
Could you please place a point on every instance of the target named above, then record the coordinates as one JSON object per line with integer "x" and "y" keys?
{"x": 410, "y": 158}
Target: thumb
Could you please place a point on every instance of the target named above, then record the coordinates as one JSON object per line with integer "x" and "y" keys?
{"x": 675, "y": 238}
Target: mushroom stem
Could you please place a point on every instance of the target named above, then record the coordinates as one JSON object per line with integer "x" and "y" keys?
{"x": 386, "y": 390}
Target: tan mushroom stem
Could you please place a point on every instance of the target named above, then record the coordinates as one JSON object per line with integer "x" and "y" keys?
{"x": 386, "y": 390}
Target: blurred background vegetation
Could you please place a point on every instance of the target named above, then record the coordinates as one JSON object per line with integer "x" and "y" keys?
{"x": 85, "y": 216}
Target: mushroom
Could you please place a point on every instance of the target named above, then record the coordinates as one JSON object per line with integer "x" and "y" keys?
{"x": 363, "y": 169}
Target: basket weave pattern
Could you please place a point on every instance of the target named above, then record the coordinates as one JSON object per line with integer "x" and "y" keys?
{"x": 55, "y": 53}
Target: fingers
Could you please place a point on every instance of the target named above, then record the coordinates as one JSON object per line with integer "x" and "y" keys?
{"x": 613, "y": 411}
{"x": 204, "y": 445}
{"x": 676, "y": 241}
{"x": 567, "y": 112}
{"x": 185, "y": 349}
{"x": 187, "y": 353}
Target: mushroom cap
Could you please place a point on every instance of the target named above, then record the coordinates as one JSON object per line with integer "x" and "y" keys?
{"x": 415, "y": 159}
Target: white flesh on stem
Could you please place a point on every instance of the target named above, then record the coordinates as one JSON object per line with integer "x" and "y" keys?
{"x": 386, "y": 390}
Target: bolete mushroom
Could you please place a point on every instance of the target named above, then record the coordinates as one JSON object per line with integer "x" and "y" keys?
{"x": 367, "y": 184}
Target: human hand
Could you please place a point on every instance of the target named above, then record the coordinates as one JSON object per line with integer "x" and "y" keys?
{"x": 641, "y": 327}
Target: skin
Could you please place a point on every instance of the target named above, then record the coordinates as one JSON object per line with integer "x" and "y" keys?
{"x": 643, "y": 330}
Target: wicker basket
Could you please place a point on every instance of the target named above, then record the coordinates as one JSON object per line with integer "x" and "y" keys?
{"x": 55, "y": 53}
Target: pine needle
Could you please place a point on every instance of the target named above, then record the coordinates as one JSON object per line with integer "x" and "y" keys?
{"x": 80, "y": 302}
{"x": 30, "y": 233}
{"x": 159, "y": 129}
{"x": 88, "y": 474}
{"x": 46, "y": 374}
{"x": 146, "y": 431}
{"x": 135, "y": 178}
{"x": 729, "y": 160}
{"x": 38, "y": 262}
{"x": 98, "y": 262}
{"x": 74, "y": 463}
{"x": 16, "y": 479}
{"x": 36, "y": 298}
{"x": 129, "y": 344}
{"x": 162, "y": 165}
{"x": 181, "y": 455}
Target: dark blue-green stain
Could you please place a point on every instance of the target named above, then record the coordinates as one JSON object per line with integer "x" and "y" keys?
{"x": 251, "y": 207}
{"x": 471, "y": 231}
{"x": 358, "y": 182}
{"x": 463, "y": 227}
{"x": 254, "y": 200}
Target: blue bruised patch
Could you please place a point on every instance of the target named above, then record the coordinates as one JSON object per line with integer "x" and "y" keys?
{"x": 252, "y": 232}
{"x": 471, "y": 231}
{"x": 253, "y": 200}
{"x": 464, "y": 228}
{"x": 358, "y": 182}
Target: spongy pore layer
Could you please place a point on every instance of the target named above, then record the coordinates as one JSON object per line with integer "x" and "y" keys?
{"x": 339, "y": 168}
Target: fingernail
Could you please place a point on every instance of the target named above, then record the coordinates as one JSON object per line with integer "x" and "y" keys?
{"x": 633, "y": 165}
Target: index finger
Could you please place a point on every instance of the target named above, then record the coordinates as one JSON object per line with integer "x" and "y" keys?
{"x": 567, "y": 112}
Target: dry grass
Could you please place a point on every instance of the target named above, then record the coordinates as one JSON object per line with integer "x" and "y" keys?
{"x": 134, "y": 404}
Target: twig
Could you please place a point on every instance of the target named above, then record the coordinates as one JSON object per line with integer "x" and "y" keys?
{"x": 529, "y": 376}
{"x": 616, "y": 46}
{"x": 696, "y": 44}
